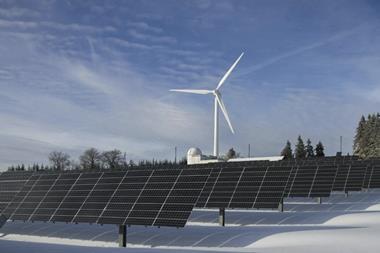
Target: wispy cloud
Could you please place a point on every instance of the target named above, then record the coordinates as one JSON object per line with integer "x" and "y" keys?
{"x": 300, "y": 50}
{"x": 144, "y": 26}
{"x": 19, "y": 13}
{"x": 55, "y": 26}
{"x": 153, "y": 38}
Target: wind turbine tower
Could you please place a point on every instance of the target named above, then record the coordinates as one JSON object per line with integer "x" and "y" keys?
{"x": 218, "y": 102}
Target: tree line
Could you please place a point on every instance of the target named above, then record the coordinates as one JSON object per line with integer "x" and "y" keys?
{"x": 367, "y": 137}
{"x": 93, "y": 159}
{"x": 302, "y": 150}
{"x": 366, "y": 145}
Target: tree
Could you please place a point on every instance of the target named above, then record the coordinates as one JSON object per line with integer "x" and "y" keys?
{"x": 287, "y": 152}
{"x": 112, "y": 159}
{"x": 182, "y": 161}
{"x": 231, "y": 153}
{"x": 90, "y": 159}
{"x": 309, "y": 149}
{"x": 367, "y": 137}
{"x": 319, "y": 150}
{"x": 358, "y": 140}
{"x": 59, "y": 160}
{"x": 300, "y": 151}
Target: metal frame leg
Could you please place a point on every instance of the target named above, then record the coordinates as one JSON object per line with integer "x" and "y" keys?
{"x": 222, "y": 217}
{"x": 122, "y": 236}
{"x": 281, "y": 206}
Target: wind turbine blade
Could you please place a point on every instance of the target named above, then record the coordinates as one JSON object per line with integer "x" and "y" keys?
{"x": 228, "y": 72}
{"x": 202, "y": 92}
{"x": 221, "y": 105}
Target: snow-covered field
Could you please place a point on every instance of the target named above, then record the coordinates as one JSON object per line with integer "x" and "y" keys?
{"x": 339, "y": 224}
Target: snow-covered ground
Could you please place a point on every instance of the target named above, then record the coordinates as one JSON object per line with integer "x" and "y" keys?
{"x": 339, "y": 224}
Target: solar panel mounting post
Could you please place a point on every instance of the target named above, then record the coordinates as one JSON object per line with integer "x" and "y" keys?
{"x": 319, "y": 200}
{"x": 222, "y": 217}
{"x": 122, "y": 236}
{"x": 3, "y": 220}
{"x": 281, "y": 205}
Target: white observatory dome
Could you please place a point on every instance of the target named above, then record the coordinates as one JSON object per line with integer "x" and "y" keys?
{"x": 192, "y": 152}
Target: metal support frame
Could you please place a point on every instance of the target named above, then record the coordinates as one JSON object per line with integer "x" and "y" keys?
{"x": 346, "y": 194}
{"x": 3, "y": 220}
{"x": 319, "y": 200}
{"x": 122, "y": 236}
{"x": 281, "y": 206}
{"x": 222, "y": 217}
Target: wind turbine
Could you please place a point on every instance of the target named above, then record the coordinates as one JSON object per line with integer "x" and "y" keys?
{"x": 218, "y": 102}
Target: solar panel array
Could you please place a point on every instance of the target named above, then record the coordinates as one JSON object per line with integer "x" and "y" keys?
{"x": 134, "y": 197}
{"x": 165, "y": 197}
{"x": 245, "y": 187}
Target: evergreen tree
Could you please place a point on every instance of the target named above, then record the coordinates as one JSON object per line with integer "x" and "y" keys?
{"x": 300, "y": 151}
{"x": 358, "y": 140}
{"x": 183, "y": 161}
{"x": 309, "y": 149}
{"x": 287, "y": 152}
{"x": 319, "y": 150}
{"x": 231, "y": 153}
{"x": 367, "y": 138}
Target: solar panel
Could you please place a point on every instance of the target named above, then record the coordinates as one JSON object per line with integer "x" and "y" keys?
{"x": 271, "y": 191}
{"x": 311, "y": 181}
{"x": 69, "y": 194}
{"x": 368, "y": 175}
{"x": 374, "y": 181}
{"x": 245, "y": 187}
{"x": 134, "y": 197}
{"x": 323, "y": 181}
{"x": 11, "y": 182}
{"x": 356, "y": 177}
{"x": 95, "y": 195}
{"x": 210, "y": 183}
{"x": 302, "y": 181}
{"x": 350, "y": 177}
{"x": 20, "y": 208}
{"x": 341, "y": 178}
{"x": 177, "y": 207}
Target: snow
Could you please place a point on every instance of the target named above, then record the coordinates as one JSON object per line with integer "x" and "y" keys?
{"x": 339, "y": 224}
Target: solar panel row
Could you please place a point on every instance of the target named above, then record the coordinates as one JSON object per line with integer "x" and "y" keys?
{"x": 134, "y": 197}
{"x": 160, "y": 197}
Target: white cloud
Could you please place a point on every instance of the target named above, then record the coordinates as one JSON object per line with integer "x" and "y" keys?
{"x": 24, "y": 25}
{"x": 144, "y": 26}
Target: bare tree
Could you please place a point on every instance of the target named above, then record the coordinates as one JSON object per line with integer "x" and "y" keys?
{"x": 59, "y": 160}
{"x": 112, "y": 159}
{"x": 90, "y": 159}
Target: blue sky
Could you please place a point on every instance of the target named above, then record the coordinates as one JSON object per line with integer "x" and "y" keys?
{"x": 79, "y": 74}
